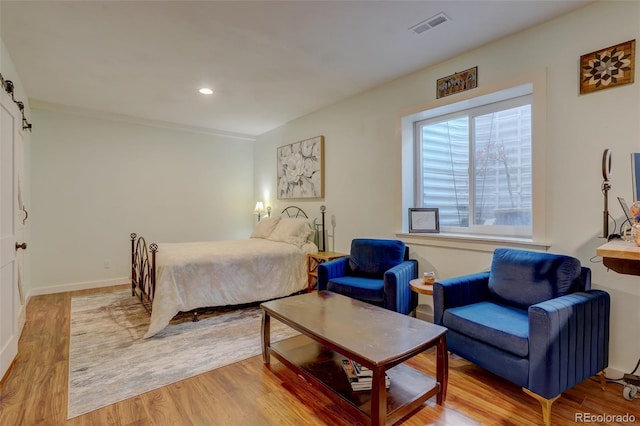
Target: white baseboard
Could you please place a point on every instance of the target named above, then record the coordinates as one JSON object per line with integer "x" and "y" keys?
{"x": 77, "y": 286}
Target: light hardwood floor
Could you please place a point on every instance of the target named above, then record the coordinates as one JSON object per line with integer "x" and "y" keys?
{"x": 247, "y": 393}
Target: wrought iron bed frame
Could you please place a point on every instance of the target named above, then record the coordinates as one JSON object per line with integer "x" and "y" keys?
{"x": 143, "y": 259}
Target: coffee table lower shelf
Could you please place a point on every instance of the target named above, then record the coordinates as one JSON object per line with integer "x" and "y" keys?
{"x": 322, "y": 366}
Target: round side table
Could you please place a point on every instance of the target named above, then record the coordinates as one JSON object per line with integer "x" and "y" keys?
{"x": 424, "y": 312}
{"x": 419, "y": 286}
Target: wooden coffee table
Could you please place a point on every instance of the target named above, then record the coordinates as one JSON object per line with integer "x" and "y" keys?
{"x": 335, "y": 327}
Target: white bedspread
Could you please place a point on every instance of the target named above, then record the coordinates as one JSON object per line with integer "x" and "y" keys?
{"x": 220, "y": 273}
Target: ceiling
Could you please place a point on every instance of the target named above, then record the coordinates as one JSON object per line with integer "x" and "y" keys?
{"x": 268, "y": 62}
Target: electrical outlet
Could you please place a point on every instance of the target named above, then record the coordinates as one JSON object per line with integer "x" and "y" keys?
{"x": 107, "y": 264}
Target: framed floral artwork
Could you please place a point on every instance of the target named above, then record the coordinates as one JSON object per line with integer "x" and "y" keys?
{"x": 608, "y": 67}
{"x": 301, "y": 169}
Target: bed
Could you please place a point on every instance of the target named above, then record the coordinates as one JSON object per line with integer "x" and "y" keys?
{"x": 170, "y": 278}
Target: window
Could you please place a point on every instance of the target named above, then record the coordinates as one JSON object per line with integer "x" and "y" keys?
{"x": 474, "y": 163}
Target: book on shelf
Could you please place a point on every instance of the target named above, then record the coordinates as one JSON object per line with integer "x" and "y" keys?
{"x": 361, "y": 370}
{"x": 360, "y": 377}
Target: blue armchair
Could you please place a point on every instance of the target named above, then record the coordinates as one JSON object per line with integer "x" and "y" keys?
{"x": 532, "y": 319}
{"x": 376, "y": 271}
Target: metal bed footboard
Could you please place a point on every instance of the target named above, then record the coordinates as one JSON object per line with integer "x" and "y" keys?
{"x": 143, "y": 270}
{"x": 143, "y": 259}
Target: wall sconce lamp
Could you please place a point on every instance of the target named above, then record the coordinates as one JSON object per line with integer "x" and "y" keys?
{"x": 260, "y": 209}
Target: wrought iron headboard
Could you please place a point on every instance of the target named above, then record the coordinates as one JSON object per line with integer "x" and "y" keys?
{"x": 295, "y": 211}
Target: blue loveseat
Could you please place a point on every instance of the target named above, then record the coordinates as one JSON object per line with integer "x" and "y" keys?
{"x": 376, "y": 271}
{"x": 532, "y": 319}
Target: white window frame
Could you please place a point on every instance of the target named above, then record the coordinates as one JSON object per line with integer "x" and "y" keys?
{"x": 535, "y": 83}
{"x": 506, "y": 99}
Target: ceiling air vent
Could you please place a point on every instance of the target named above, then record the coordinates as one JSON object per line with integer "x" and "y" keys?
{"x": 429, "y": 23}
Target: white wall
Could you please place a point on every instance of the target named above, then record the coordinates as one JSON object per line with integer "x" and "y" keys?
{"x": 363, "y": 158}
{"x": 96, "y": 180}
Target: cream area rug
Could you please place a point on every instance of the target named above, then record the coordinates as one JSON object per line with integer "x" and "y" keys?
{"x": 109, "y": 361}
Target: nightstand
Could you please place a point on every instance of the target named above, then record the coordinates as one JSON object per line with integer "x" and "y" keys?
{"x": 314, "y": 260}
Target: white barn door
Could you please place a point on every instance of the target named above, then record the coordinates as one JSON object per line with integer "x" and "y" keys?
{"x": 10, "y": 128}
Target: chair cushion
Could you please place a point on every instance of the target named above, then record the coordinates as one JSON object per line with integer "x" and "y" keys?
{"x": 501, "y": 326}
{"x": 365, "y": 289}
{"x": 373, "y": 257}
{"x": 523, "y": 278}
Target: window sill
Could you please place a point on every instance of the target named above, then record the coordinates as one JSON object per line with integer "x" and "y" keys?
{"x": 470, "y": 242}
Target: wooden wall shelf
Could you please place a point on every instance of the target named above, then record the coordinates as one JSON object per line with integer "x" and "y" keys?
{"x": 620, "y": 256}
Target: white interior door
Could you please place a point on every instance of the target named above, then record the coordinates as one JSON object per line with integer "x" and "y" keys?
{"x": 10, "y": 125}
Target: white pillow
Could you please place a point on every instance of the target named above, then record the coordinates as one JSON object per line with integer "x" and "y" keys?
{"x": 265, "y": 227}
{"x": 292, "y": 230}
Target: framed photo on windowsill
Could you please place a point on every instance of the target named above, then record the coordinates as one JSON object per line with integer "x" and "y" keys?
{"x": 424, "y": 220}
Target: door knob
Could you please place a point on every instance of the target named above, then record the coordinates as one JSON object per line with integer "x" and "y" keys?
{"x": 22, "y": 246}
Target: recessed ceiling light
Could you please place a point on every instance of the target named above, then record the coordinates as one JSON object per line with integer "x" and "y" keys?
{"x": 206, "y": 91}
